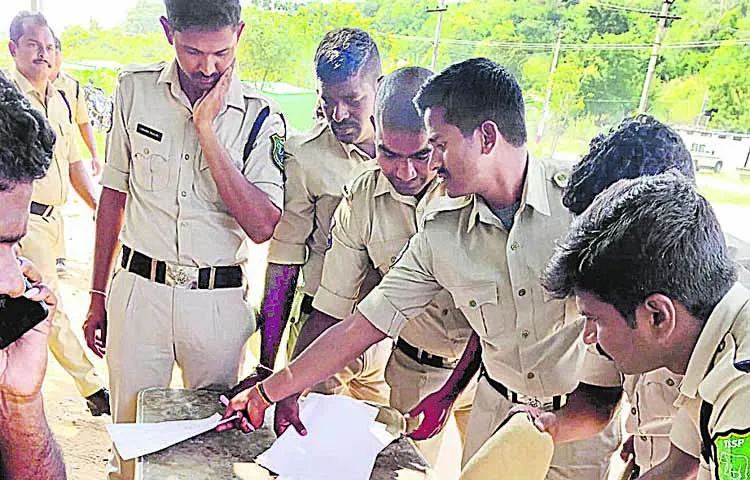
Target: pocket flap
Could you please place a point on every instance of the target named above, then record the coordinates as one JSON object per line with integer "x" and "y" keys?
{"x": 474, "y": 296}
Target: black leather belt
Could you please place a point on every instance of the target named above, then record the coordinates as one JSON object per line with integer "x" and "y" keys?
{"x": 557, "y": 402}
{"x": 167, "y": 274}
{"x": 41, "y": 209}
{"x": 424, "y": 357}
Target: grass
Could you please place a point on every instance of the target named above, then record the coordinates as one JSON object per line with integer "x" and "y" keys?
{"x": 726, "y": 188}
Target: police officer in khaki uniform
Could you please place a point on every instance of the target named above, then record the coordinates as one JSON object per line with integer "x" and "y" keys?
{"x": 648, "y": 264}
{"x": 193, "y": 168}
{"x": 33, "y": 51}
{"x": 487, "y": 250}
{"x": 639, "y": 146}
{"x": 76, "y": 99}
{"x": 371, "y": 225}
{"x": 320, "y": 162}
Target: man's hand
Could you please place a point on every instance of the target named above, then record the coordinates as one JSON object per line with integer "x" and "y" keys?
{"x": 207, "y": 107}
{"x": 436, "y": 408}
{"x": 544, "y": 421}
{"x": 251, "y": 406}
{"x": 260, "y": 374}
{"x": 95, "y": 326}
{"x": 23, "y": 363}
{"x": 96, "y": 167}
{"x": 287, "y": 413}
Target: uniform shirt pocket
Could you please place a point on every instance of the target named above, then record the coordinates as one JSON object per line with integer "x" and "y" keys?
{"x": 151, "y": 167}
{"x": 479, "y": 304}
{"x": 385, "y": 253}
{"x": 205, "y": 186}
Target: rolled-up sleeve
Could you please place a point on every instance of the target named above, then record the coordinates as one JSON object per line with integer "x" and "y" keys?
{"x": 295, "y": 226}
{"x": 116, "y": 174}
{"x": 405, "y": 291}
{"x": 347, "y": 261}
{"x": 264, "y": 166}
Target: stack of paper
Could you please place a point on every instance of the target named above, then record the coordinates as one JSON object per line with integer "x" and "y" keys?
{"x": 342, "y": 441}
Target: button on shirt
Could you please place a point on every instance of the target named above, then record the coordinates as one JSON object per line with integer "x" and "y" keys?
{"x": 371, "y": 226}
{"x": 53, "y": 188}
{"x": 465, "y": 249}
{"x": 174, "y": 211}
{"x": 317, "y": 167}
{"x": 717, "y": 373}
{"x": 74, "y": 95}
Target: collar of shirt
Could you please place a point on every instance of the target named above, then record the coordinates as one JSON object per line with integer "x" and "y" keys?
{"x": 169, "y": 76}
{"x": 717, "y": 326}
{"x": 534, "y": 195}
{"x": 28, "y": 89}
{"x": 383, "y": 186}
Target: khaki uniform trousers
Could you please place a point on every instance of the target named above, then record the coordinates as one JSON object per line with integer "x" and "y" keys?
{"x": 41, "y": 245}
{"x": 152, "y": 326}
{"x": 411, "y": 382}
{"x": 583, "y": 460}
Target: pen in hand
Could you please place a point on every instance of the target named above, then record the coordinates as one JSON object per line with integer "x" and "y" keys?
{"x": 238, "y": 415}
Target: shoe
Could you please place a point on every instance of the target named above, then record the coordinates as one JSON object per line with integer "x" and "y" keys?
{"x": 98, "y": 403}
{"x": 62, "y": 270}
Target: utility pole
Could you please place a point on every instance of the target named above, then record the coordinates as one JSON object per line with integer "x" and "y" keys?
{"x": 439, "y": 10}
{"x": 663, "y": 17}
{"x": 550, "y": 81}
{"x": 36, "y": 5}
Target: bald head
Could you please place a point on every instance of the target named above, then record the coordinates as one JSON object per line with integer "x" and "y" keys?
{"x": 394, "y": 106}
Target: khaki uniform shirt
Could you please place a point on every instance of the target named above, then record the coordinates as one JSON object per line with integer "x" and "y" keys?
{"x": 174, "y": 211}
{"x": 74, "y": 95}
{"x": 317, "y": 166}
{"x": 652, "y": 396}
{"x": 718, "y": 375}
{"x": 530, "y": 342}
{"x": 53, "y": 188}
{"x": 371, "y": 226}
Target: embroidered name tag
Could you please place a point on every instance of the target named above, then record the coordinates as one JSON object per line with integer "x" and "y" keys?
{"x": 149, "y": 132}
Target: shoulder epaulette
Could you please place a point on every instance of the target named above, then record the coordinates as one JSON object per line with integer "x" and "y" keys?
{"x": 138, "y": 68}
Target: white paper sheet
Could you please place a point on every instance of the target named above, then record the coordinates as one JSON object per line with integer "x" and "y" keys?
{"x": 342, "y": 441}
{"x": 137, "y": 439}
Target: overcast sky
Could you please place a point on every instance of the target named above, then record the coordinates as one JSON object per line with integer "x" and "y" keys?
{"x": 63, "y": 13}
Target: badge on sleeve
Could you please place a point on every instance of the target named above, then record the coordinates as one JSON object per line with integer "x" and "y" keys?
{"x": 732, "y": 451}
{"x": 278, "y": 155}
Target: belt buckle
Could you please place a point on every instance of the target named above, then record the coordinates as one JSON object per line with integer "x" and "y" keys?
{"x": 179, "y": 276}
{"x": 535, "y": 402}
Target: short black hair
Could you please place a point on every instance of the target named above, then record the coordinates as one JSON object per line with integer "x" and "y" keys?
{"x": 652, "y": 234}
{"x": 394, "y": 106}
{"x": 24, "y": 18}
{"x": 346, "y": 52}
{"x": 26, "y": 139}
{"x": 201, "y": 14}
{"x": 474, "y": 91}
{"x": 640, "y": 145}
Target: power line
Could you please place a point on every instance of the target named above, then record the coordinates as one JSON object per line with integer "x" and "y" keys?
{"x": 578, "y": 46}
{"x": 623, "y": 8}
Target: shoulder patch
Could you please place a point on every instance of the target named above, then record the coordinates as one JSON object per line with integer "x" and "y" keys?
{"x": 732, "y": 454}
{"x": 560, "y": 179}
{"x": 277, "y": 151}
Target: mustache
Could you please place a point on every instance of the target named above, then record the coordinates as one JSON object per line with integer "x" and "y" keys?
{"x": 344, "y": 125}
{"x": 442, "y": 172}
{"x": 42, "y": 60}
